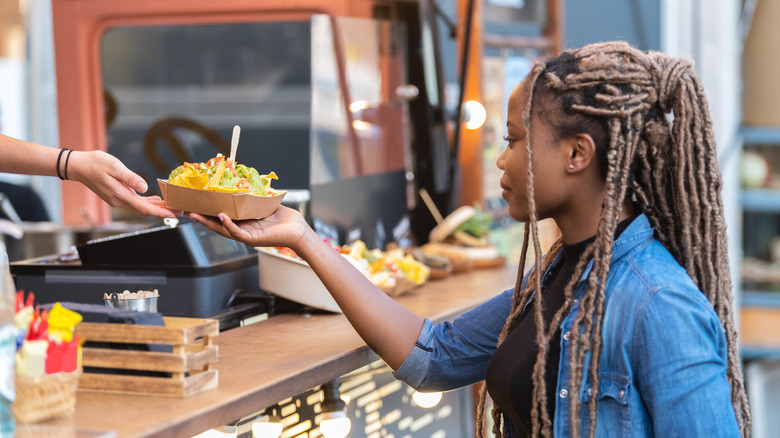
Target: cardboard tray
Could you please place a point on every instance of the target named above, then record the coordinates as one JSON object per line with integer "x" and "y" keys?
{"x": 188, "y": 365}
{"x": 293, "y": 279}
{"x": 237, "y": 206}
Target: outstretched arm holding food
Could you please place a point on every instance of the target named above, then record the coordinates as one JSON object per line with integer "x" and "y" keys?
{"x": 388, "y": 328}
{"x": 101, "y": 172}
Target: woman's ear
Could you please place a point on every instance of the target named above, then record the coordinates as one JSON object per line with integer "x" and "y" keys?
{"x": 582, "y": 152}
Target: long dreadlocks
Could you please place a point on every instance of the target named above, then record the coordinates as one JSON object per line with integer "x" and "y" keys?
{"x": 620, "y": 96}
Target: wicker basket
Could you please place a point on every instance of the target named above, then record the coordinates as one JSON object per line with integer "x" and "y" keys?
{"x": 44, "y": 397}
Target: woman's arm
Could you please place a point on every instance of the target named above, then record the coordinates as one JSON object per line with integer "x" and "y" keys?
{"x": 101, "y": 172}
{"x": 27, "y": 158}
{"x": 679, "y": 350}
{"x": 388, "y": 328}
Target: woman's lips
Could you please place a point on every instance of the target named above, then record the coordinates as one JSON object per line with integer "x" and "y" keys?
{"x": 506, "y": 192}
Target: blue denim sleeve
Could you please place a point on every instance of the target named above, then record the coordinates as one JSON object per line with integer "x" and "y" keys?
{"x": 454, "y": 354}
{"x": 681, "y": 357}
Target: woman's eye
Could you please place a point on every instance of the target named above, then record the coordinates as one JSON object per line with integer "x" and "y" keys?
{"x": 509, "y": 140}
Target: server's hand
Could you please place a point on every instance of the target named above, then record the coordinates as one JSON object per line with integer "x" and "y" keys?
{"x": 105, "y": 175}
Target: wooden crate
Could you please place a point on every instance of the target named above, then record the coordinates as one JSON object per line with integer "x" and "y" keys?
{"x": 189, "y": 363}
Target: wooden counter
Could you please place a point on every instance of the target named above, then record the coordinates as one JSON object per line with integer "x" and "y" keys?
{"x": 264, "y": 363}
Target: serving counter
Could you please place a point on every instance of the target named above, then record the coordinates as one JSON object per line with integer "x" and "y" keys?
{"x": 263, "y": 363}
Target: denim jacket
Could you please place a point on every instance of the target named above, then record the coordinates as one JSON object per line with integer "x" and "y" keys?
{"x": 662, "y": 370}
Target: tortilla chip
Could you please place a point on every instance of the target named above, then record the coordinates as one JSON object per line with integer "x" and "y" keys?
{"x": 214, "y": 181}
{"x": 271, "y": 175}
{"x": 190, "y": 178}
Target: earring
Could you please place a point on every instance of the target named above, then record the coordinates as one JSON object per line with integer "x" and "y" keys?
{"x": 571, "y": 166}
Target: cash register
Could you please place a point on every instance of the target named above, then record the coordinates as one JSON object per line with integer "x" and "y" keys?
{"x": 197, "y": 272}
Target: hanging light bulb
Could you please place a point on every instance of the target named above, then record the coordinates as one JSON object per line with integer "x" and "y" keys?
{"x": 266, "y": 429}
{"x": 357, "y": 107}
{"x": 426, "y": 399}
{"x": 334, "y": 422}
{"x": 226, "y": 431}
{"x": 268, "y": 424}
{"x": 474, "y": 114}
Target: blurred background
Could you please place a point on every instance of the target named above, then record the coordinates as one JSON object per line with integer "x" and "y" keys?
{"x": 360, "y": 104}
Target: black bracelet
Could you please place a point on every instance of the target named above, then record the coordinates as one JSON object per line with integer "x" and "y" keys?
{"x": 59, "y": 157}
{"x": 65, "y": 171}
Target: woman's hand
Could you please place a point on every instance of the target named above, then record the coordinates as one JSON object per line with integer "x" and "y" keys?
{"x": 387, "y": 327}
{"x": 105, "y": 175}
{"x": 286, "y": 227}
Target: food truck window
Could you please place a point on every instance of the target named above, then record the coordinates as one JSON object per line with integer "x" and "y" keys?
{"x": 360, "y": 141}
{"x": 321, "y": 102}
{"x": 173, "y": 94}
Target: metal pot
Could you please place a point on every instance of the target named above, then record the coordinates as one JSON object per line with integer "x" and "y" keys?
{"x": 145, "y": 304}
{"x": 39, "y": 239}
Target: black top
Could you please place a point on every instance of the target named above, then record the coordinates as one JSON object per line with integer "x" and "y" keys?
{"x": 510, "y": 369}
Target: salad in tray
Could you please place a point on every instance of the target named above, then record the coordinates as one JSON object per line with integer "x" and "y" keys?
{"x": 220, "y": 174}
{"x": 221, "y": 186}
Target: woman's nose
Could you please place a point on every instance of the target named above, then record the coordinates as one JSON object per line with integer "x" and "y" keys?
{"x": 501, "y": 159}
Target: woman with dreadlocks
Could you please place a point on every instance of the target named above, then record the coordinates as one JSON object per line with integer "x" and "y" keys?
{"x": 625, "y": 327}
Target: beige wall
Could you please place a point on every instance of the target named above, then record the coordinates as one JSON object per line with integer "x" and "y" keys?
{"x": 762, "y": 64}
{"x": 12, "y": 35}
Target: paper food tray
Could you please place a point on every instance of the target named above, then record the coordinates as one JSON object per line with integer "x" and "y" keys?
{"x": 237, "y": 206}
{"x": 294, "y": 280}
